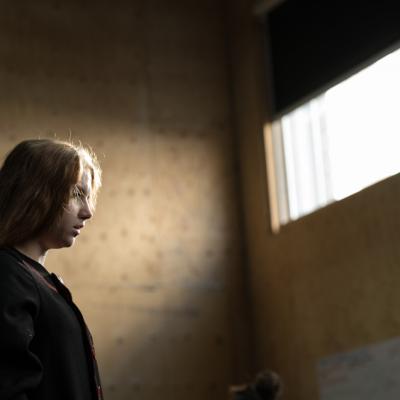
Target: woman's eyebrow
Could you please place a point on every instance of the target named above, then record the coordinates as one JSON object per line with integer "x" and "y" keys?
{"x": 82, "y": 188}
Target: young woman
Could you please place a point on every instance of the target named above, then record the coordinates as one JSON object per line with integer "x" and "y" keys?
{"x": 48, "y": 192}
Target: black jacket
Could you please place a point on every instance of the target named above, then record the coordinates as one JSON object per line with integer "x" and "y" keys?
{"x": 46, "y": 351}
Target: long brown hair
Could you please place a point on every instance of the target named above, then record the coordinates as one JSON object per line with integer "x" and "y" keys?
{"x": 36, "y": 180}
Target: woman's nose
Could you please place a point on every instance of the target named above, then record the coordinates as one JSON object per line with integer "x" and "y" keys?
{"x": 85, "y": 211}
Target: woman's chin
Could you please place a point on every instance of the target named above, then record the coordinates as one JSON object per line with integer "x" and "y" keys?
{"x": 69, "y": 242}
{"x": 65, "y": 242}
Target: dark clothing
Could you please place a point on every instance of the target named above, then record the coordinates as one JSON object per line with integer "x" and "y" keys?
{"x": 246, "y": 394}
{"x": 46, "y": 351}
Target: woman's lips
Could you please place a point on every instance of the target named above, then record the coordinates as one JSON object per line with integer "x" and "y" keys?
{"x": 77, "y": 230}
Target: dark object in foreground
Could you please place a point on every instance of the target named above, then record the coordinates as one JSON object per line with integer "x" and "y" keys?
{"x": 266, "y": 386}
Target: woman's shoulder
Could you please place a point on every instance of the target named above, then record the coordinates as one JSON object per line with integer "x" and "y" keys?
{"x": 10, "y": 263}
{"x": 7, "y": 257}
{"x": 18, "y": 289}
{"x": 16, "y": 280}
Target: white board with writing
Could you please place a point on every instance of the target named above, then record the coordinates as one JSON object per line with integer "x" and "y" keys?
{"x": 368, "y": 373}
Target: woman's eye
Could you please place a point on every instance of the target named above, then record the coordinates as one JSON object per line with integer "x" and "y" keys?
{"x": 78, "y": 194}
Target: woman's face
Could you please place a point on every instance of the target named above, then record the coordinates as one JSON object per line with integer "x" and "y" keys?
{"x": 64, "y": 233}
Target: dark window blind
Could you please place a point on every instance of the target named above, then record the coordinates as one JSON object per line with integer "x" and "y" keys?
{"x": 314, "y": 44}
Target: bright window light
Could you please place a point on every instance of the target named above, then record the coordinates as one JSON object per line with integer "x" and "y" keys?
{"x": 340, "y": 142}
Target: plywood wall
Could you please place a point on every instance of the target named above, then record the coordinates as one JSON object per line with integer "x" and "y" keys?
{"x": 158, "y": 271}
{"x": 327, "y": 283}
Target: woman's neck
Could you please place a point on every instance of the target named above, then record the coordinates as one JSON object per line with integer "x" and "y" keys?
{"x": 34, "y": 250}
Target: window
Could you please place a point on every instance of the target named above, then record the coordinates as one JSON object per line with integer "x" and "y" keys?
{"x": 336, "y": 144}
